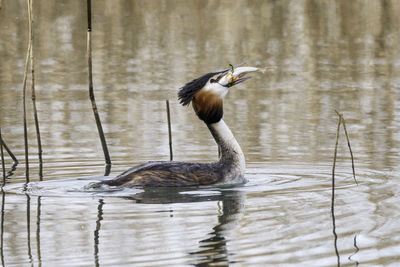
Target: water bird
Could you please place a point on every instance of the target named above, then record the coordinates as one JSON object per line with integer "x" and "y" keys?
{"x": 206, "y": 94}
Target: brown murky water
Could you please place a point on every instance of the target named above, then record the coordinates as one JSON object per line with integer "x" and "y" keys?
{"x": 342, "y": 55}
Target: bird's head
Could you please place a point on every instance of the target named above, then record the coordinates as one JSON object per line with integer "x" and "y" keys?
{"x": 207, "y": 92}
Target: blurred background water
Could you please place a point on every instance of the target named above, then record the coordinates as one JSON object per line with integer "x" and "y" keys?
{"x": 328, "y": 55}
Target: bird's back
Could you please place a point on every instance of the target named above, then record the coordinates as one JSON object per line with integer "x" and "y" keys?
{"x": 169, "y": 173}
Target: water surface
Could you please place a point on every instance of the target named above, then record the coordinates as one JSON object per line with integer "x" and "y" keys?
{"x": 328, "y": 55}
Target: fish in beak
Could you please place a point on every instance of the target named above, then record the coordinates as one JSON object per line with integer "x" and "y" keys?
{"x": 236, "y": 75}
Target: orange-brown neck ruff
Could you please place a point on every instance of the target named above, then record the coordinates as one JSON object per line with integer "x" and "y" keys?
{"x": 208, "y": 106}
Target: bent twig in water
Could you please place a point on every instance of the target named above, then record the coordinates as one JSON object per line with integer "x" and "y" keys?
{"x": 9, "y": 151}
{"x": 348, "y": 144}
{"x": 341, "y": 119}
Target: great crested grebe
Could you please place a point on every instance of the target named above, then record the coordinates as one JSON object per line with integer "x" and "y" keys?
{"x": 206, "y": 94}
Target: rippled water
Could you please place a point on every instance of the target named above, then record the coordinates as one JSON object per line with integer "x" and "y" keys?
{"x": 328, "y": 55}
{"x": 282, "y": 216}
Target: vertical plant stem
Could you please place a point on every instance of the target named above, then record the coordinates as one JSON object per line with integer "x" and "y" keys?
{"x": 169, "y": 131}
{"x": 334, "y": 163}
{"x": 24, "y": 98}
{"x": 336, "y": 146}
{"x": 333, "y": 193}
{"x": 91, "y": 93}
{"x": 2, "y": 160}
{"x": 34, "y": 94}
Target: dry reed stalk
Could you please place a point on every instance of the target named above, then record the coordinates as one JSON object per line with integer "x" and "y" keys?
{"x": 24, "y": 97}
{"x": 169, "y": 131}
{"x": 2, "y": 160}
{"x": 334, "y": 158}
{"x": 91, "y": 93}
{"x": 348, "y": 144}
{"x": 333, "y": 194}
{"x": 9, "y": 151}
{"x": 15, "y": 161}
{"x": 341, "y": 120}
{"x": 34, "y": 94}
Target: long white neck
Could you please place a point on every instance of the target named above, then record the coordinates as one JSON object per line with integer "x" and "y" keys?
{"x": 232, "y": 155}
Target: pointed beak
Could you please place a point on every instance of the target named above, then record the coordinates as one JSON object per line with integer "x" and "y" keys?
{"x": 237, "y": 76}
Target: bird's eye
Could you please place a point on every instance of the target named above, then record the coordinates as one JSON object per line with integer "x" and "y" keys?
{"x": 213, "y": 80}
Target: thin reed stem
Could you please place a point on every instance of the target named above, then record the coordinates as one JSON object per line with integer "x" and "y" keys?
{"x": 341, "y": 118}
{"x": 3, "y": 166}
{"x": 334, "y": 163}
{"x": 91, "y": 93}
{"x": 351, "y": 152}
{"x": 9, "y": 151}
{"x": 34, "y": 94}
{"x": 169, "y": 131}
{"x": 333, "y": 194}
{"x": 14, "y": 166}
{"x": 24, "y": 96}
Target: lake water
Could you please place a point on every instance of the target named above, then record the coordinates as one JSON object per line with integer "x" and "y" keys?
{"x": 327, "y": 56}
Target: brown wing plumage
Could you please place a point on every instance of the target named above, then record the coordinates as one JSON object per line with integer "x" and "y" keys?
{"x": 166, "y": 173}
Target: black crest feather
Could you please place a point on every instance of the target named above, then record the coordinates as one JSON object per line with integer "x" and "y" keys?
{"x": 186, "y": 93}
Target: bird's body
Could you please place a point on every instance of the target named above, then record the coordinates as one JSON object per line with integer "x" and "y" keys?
{"x": 206, "y": 94}
{"x": 229, "y": 169}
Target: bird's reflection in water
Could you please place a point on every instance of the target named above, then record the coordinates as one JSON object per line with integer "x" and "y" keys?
{"x": 213, "y": 248}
